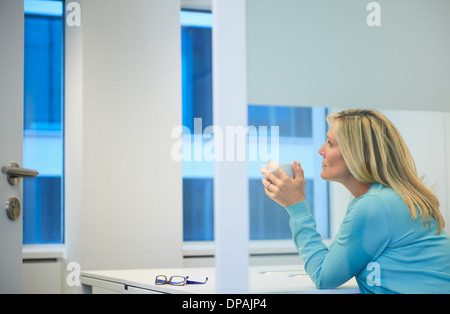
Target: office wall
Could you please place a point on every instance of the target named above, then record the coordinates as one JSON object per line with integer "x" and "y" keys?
{"x": 426, "y": 133}
{"x": 123, "y": 187}
{"x": 323, "y": 53}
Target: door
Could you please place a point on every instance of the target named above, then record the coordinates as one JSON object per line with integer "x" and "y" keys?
{"x": 11, "y": 138}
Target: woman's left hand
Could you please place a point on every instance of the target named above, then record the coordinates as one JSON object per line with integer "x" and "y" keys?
{"x": 283, "y": 189}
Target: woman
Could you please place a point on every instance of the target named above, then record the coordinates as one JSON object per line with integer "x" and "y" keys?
{"x": 392, "y": 238}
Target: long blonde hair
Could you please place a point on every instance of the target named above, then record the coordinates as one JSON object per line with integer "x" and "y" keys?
{"x": 374, "y": 151}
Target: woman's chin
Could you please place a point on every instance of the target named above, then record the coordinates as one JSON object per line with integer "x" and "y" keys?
{"x": 325, "y": 177}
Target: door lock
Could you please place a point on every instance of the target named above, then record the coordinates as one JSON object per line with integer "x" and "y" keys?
{"x": 13, "y": 208}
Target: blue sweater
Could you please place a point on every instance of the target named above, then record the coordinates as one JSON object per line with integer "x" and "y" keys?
{"x": 379, "y": 243}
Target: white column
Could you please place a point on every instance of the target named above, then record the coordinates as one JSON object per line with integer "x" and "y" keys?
{"x": 231, "y": 208}
{"x": 73, "y": 141}
{"x": 131, "y": 103}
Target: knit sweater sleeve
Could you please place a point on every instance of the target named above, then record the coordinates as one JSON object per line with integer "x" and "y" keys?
{"x": 363, "y": 235}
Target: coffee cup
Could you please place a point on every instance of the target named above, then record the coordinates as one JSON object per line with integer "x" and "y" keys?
{"x": 287, "y": 168}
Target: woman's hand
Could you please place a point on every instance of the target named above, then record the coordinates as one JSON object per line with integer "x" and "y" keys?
{"x": 283, "y": 189}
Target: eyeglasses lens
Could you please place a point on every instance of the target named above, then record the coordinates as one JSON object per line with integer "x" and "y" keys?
{"x": 160, "y": 280}
{"x": 177, "y": 281}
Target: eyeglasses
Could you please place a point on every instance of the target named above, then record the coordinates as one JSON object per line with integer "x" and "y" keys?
{"x": 177, "y": 281}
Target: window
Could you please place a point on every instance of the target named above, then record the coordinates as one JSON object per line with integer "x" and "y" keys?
{"x": 196, "y": 49}
{"x": 43, "y": 213}
{"x": 301, "y": 132}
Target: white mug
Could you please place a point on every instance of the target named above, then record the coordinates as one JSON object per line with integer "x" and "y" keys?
{"x": 287, "y": 168}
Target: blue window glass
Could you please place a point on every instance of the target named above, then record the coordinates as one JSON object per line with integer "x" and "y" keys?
{"x": 268, "y": 220}
{"x": 43, "y": 213}
{"x": 198, "y": 180}
{"x": 196, "y": 70}
{"x": 292, "y": 121}
{"x": 198, "y": 218}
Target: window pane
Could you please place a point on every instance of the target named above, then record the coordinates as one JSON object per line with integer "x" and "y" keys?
{"x": 198, "y": 181}
{"x": 268, "y": 220}
{"x": 43, "y": 127}
{"x": 42, "y": 220}
{"x": 198, "y": 220}
{"x": 292, "y": 121}
{"x": 43, "y": 73}
{"x": 196, "y": 76}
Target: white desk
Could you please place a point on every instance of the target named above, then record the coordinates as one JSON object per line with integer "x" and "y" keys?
{"x": 262, "y": 279}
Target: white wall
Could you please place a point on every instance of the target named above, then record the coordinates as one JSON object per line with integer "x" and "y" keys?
{"x": 425, "y": 134}
{"x": 43, "y": 276}
{"x": 123, "y": 190}
{"x": 323, "y": 53}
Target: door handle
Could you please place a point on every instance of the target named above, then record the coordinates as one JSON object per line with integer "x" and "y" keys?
{"x": 14, "y": 172}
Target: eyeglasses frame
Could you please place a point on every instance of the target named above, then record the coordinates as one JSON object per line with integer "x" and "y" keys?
{"x": 185, "y": 281}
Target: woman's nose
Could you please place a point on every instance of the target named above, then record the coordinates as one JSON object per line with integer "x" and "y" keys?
{"x": 321, "y": 151}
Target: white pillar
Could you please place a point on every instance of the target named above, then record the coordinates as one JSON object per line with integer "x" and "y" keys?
{"x": 231, "y": 207}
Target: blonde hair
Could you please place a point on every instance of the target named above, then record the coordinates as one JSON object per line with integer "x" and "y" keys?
{"x": 374, "y": 151}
